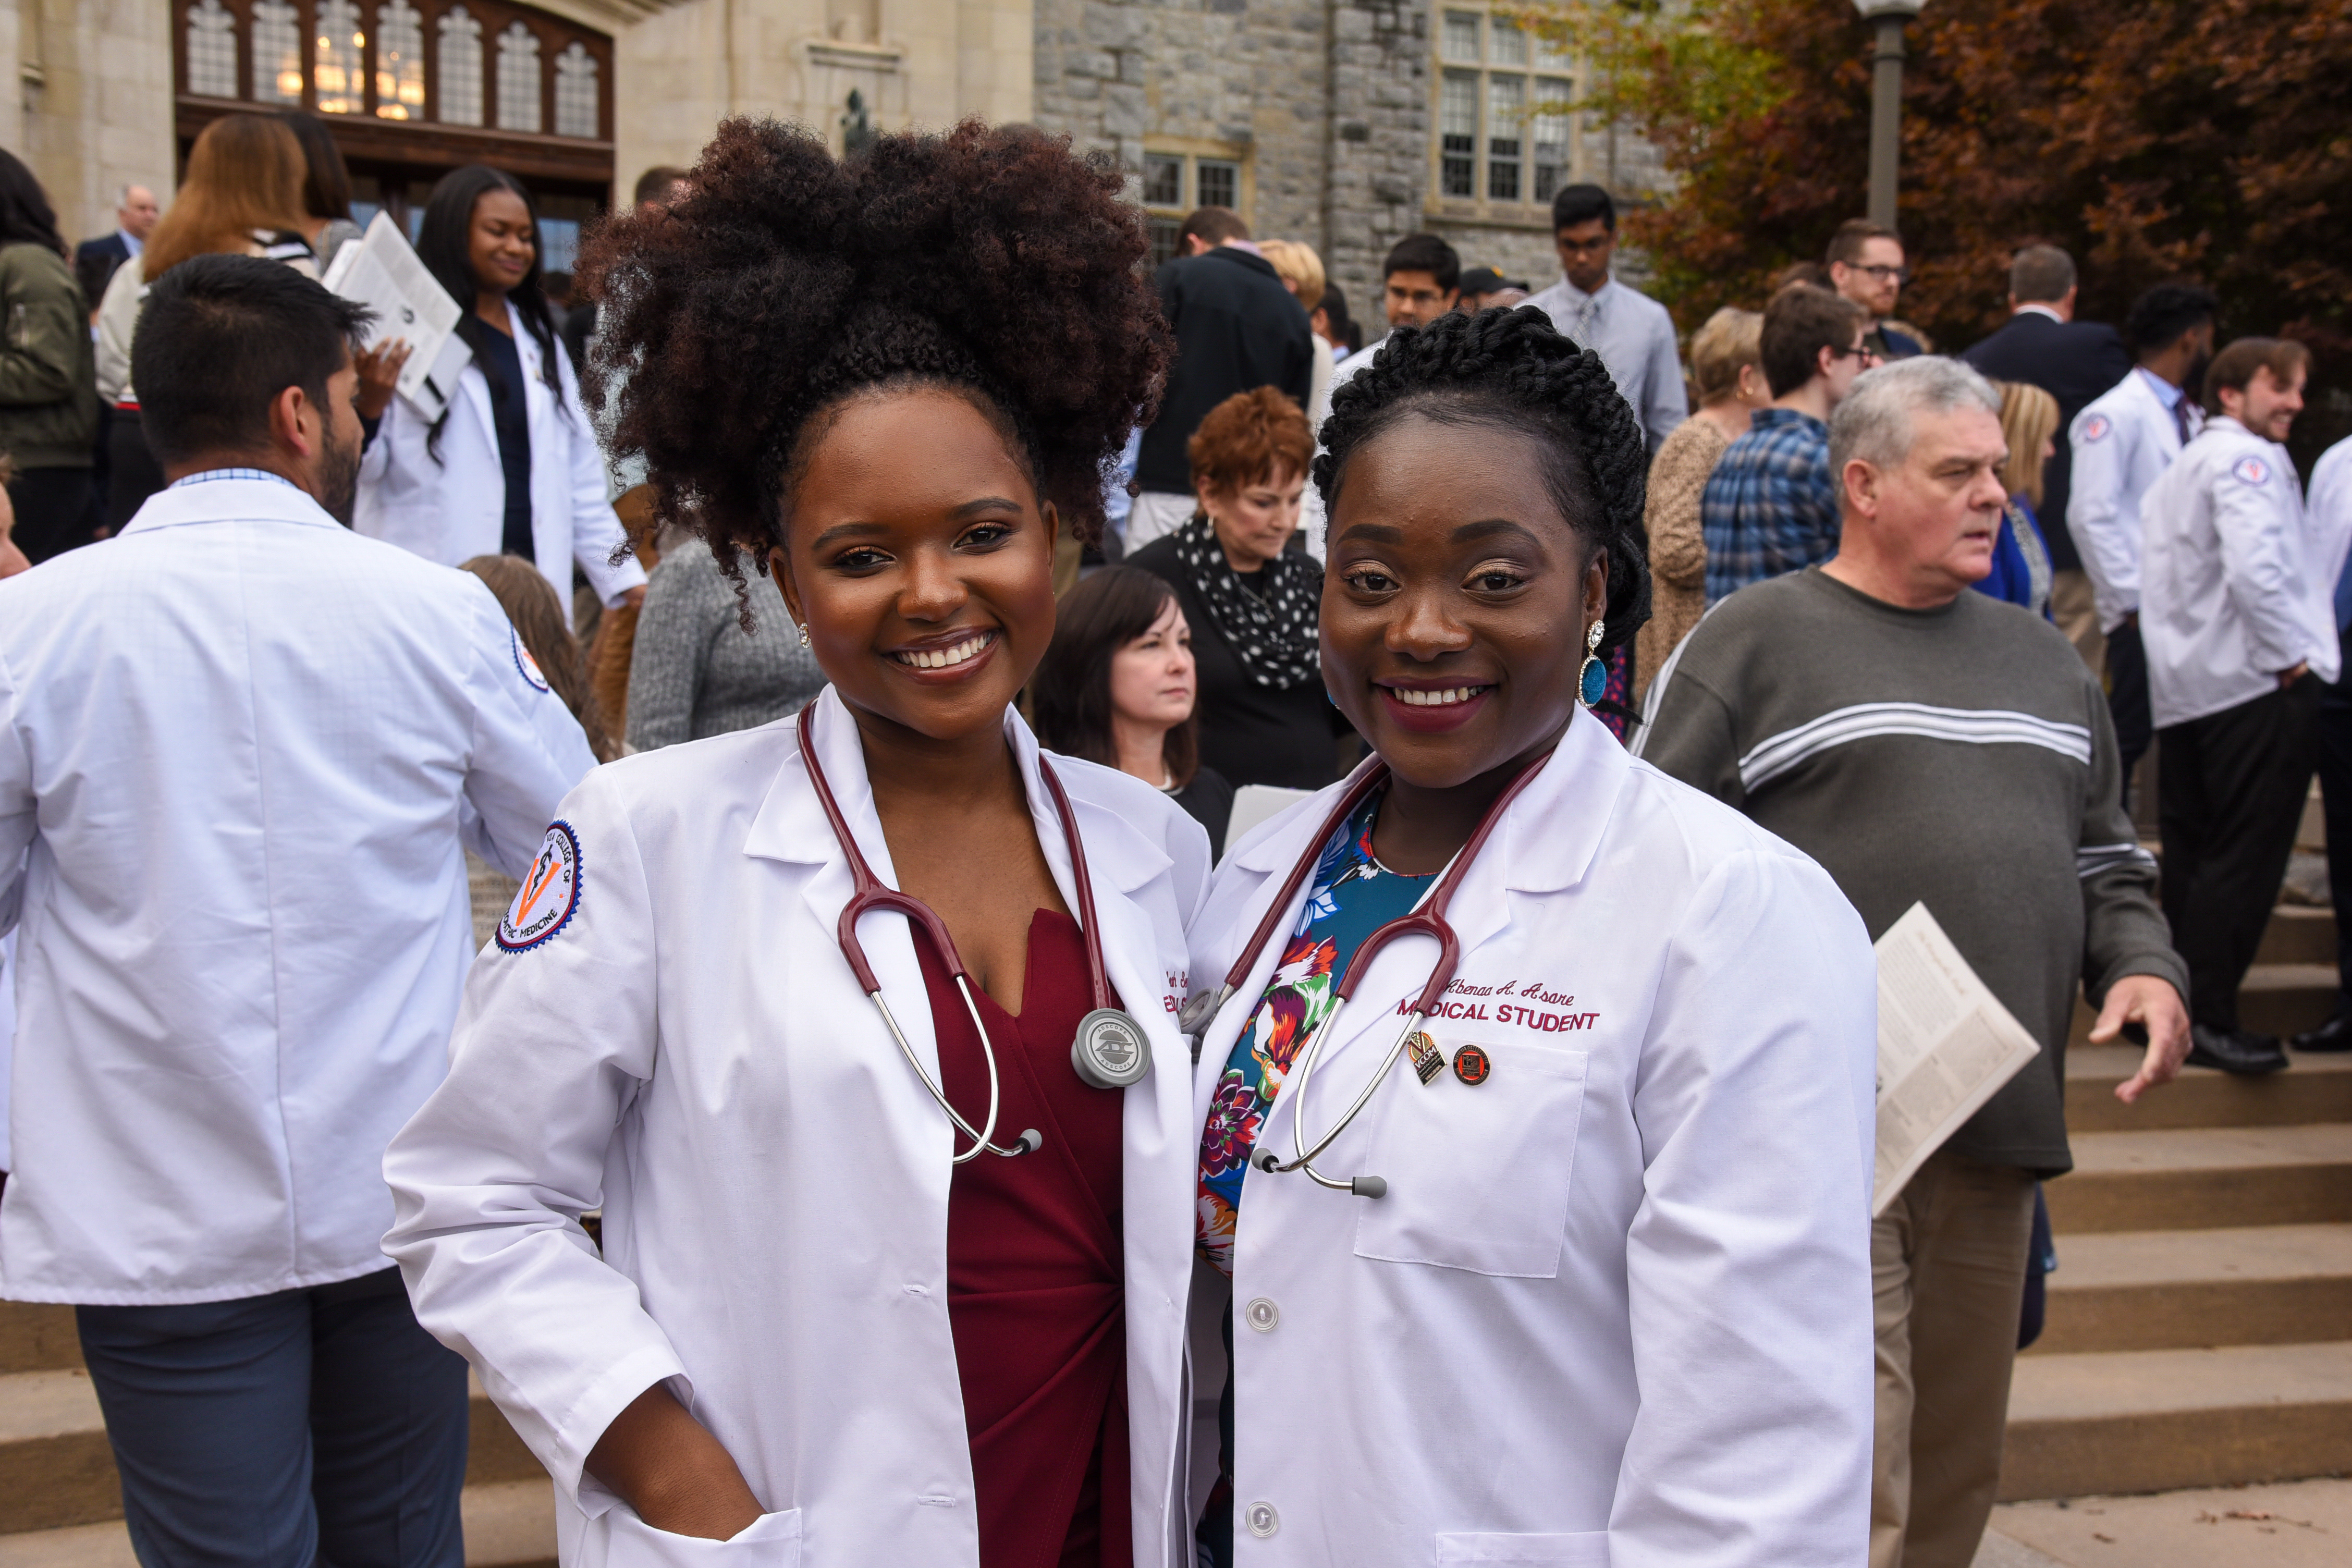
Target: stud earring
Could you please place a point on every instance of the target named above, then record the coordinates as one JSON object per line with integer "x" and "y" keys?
{"x": 804, "y": 634}
{"x": 1592, "y": 680}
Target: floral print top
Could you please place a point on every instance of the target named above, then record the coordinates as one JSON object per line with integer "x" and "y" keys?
{"x": 1352, "y": 896}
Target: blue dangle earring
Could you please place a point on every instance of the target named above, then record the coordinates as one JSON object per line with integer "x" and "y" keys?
{"x": 1592, "y": 680}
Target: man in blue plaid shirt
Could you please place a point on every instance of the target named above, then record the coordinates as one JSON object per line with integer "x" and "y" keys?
{"x": 1771, "y": 505}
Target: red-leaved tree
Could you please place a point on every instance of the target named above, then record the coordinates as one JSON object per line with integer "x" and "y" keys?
{"x": 2153, "y": 139}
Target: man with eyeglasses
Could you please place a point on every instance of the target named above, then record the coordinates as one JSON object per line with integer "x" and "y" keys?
{"x": 1770, "y": 507}
{"x": 1631, "y": 331}
{"x": 1865, "y": 262}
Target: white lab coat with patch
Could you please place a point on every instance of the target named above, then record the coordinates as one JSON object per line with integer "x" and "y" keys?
{"x": 686, "y": 1046}
{"x": 242, "y": 748}
{"x": 1615, "y": 1309}
{"x": 2239, "y": 580}
{"x": 452, "y": 508}
{"x": 2122, "y": 441}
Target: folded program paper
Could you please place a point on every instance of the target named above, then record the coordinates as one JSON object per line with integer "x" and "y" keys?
{"x": 1945, "y": 1044}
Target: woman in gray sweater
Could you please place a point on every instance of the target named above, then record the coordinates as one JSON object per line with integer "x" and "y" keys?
{"x": 695, "y": 672}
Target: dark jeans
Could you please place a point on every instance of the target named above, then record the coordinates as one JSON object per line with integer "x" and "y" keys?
{"x": 57, "y": 510}
{"x": 134, "y": 474}
{"x": 307, "y": 1426}
{"x": 2335, "y": 803}
{"x": 2127, "y": 700}
{"x": 2230, "y": 793}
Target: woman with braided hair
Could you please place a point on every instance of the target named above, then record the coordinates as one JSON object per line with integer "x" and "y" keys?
{"x": 858, "y": 1026}
{"x": 1548, "y": 1239}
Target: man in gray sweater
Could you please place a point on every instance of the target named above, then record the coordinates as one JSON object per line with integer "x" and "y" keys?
{"x": 1929, "y": 744}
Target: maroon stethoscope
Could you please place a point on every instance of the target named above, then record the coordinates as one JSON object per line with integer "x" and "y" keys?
{"x": 1426, "y": 918}
{"x": 1110, "y": 1050}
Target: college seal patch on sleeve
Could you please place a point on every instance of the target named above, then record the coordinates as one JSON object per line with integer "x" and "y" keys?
{"x": 549, "y": 893}
{"x": 527, "y": 665}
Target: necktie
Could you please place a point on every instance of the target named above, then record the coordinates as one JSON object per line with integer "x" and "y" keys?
{"x": 2181, "y": 418}
{"x": 1588, "y": 310}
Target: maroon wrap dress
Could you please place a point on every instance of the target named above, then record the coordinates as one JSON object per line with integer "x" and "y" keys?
{"x": 1036, "y": 1270}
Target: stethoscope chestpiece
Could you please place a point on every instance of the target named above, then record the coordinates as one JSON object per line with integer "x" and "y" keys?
{"x": 1110, "y": 1050}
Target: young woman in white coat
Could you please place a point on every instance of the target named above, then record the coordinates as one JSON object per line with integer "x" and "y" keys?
{"x": 1577, "y": 1270}
{"x": 890, "y": 1271}
{"x": 511, "y": 467}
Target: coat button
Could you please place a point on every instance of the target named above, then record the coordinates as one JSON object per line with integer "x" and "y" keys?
{"x": 1261, "y": 1520}
{"x": 1263, "y": 1315}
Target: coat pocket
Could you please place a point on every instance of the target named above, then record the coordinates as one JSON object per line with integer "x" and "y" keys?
{"x": 770, "y": 1541}
{"x": 1477, "y": 1173}
{"x": 1586, "y": 1549}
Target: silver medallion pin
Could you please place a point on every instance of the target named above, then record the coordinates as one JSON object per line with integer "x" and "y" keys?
{"x": 1110, "y": 1051}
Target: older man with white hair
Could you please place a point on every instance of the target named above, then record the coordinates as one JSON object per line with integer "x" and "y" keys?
{"x": 1930, "y": 745}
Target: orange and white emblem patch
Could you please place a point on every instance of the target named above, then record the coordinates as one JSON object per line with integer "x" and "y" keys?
{"x": 526, "y": 666}
{"x": 544, "y": 905}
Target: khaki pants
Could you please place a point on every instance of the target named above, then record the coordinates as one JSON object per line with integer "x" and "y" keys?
{"x": 1948, "y": 1270}
{"x": 2071, "y": 607}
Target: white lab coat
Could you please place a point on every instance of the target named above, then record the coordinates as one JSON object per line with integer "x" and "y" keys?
{"x": 2238, "y": 580}
{"x": 1615, "y": 1308}
{"x": 2121, "y": 441}
{"x": 454, "y": 508}
{"x": 238, "y": 741}
{"x": 692, "y": 1052}
{"x": 2329, "y": 501}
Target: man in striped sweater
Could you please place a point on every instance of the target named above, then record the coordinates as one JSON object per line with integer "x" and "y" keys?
{"x": 1927, "y": 744}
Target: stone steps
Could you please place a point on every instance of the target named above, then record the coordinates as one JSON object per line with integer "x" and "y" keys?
{"x": 2317, "y": 1088}
{"x": 2205, "y": 1178}
{"x": 2200, "y": 1324}
{"x": 56, "y": 1472}
{"x": 2141, "y": 1421}
{"x": 2186, "y": 1290}
{"x": 508, "y": 1524}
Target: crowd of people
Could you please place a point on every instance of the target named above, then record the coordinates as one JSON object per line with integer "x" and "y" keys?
{"x": 1052, "y": 689}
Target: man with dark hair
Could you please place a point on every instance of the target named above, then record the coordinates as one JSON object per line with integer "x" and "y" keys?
{"x": 1771, "y": 504}
{"x": 2121, "y": 442}
{"x": 1865, "y": 263}
{"x": 1205, "y": 228}
{"x": 2042, "y": 345}
{"x": 1631, "y": 331}
{"x": 1237, "y": 329}
{"x": 658, "y": 186}
{"x": 2237, "y": 591}
{"x": 243, "y": 744}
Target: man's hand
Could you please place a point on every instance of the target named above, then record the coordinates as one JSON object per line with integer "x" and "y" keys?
{"x": 379, "y": 368}
{"x": 2145, "y": 1000}
{"x": 2289, "y": 676}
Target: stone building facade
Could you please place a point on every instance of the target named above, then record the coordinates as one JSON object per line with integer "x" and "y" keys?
{"x": 1347, "y": 123}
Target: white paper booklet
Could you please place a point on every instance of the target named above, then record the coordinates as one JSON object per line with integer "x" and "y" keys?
{"x": 385, "y": 274}
{"x": 1945, "y": 1045}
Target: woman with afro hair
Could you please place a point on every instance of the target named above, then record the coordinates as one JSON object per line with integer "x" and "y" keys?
{"x": 899, "y": 1284}
{"x": 1587, "y": 1280}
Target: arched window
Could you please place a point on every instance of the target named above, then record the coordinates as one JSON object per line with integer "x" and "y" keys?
{"x": 212, "y": 51}
{"x": 277, "y": 53}
{"x": 336, "y": 70}
{"x": 517, "y": 78}
{"x": 399, "y": 62}
{"x": 461, "y": 68}
{"x": 575, "y": 91}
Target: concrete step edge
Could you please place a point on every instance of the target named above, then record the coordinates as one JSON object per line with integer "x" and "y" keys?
{"x": 508, "y": 1524}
